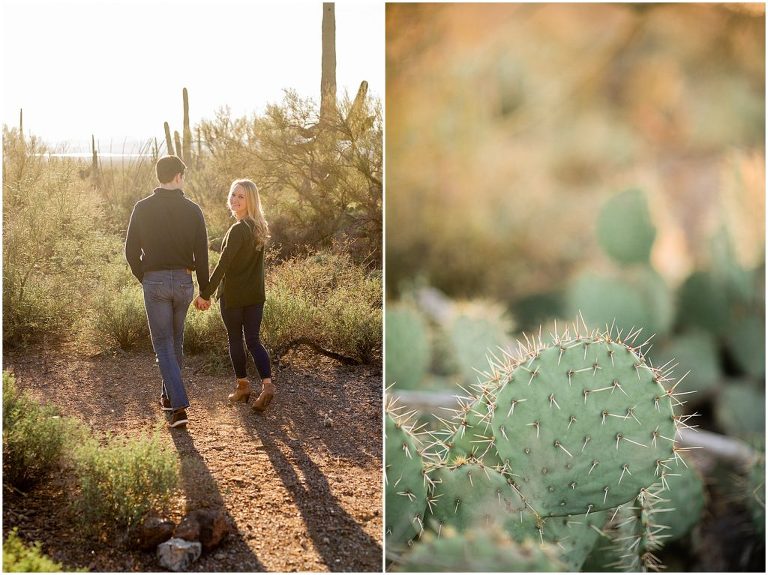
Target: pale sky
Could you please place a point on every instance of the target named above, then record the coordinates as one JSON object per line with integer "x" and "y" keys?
{"x": 117, "y": 69}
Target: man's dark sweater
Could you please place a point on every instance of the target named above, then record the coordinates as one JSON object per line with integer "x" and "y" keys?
{"x": 166, "y": 232}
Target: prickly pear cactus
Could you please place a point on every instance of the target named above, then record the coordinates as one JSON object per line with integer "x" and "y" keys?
{"x": 406, "y": 489}
{"x": 756, "y": 490}
{"x": 695, "y": 351}
{"x": 470, "y": 494}
{"x": 685, "y": 496}
{"x": 604, "y": 556}
{"x": 585, "y": 423}
{"x": 740, "y": 409}
{"x": 469, "y": 434}
{"x": 574, "y": 535}
{"x": 473, "y": 334}
{"x": 407, "y": 344}
{"x": 638, "y": 533}
{"x": 480, "y": 550}
{"x": 625, "y": 229}
{"x": 637, "y": 298}
{"x": 702, "y": 302}
{"x": 746, "y": 341}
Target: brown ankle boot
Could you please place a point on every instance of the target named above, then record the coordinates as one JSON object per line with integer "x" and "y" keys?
{"x": 242, "y": 393}
{"x": 265, "y": 397}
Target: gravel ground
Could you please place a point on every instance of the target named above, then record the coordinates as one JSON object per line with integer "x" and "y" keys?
{"x": 301, "y": 482}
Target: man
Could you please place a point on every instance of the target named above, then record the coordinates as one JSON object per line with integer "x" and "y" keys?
{"x": 166, "y": 241}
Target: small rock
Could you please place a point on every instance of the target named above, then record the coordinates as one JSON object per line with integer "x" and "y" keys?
{"x": 153, "y": 531}
{"x": 208, "y": 526}
{"x": 177, "y": 554}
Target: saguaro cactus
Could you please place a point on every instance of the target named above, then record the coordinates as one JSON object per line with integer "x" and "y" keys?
{"x": 177, "y": 139}
{"x": 328, "y": 76}
{"x": 168, "y": 140}
{"x": 94, "y": 156}
{"x": 187, "y": 135}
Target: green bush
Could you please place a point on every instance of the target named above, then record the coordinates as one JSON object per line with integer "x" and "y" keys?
{"x": 204, "y": 332}
{"x": 120, "y": 318}
{"x": 50, "y": 256}
{"x": 34, "y": 436}
{"x": 33, "y": 307}
{"x": 122, "y": 480}
{"x": 351, "y": 318}
{"x": 327, "y": 299}
{"x": 20, "y": 558}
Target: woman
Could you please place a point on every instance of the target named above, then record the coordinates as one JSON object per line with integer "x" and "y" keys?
{"x": 240, "y": 272}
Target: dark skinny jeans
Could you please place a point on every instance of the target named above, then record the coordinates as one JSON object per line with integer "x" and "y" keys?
{"x": 246, "y": 321}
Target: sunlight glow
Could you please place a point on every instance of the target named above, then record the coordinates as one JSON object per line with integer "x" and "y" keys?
{"x": 117, "y": 70}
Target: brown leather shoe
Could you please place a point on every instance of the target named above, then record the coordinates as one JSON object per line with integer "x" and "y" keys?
{"x": 265, "y": 397}
{"x": 242, "y": 393}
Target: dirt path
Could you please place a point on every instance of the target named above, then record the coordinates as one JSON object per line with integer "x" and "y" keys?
{"x": 301, "y": 482}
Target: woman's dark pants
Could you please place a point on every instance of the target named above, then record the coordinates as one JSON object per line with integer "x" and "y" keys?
{"x": 245, "y": 321}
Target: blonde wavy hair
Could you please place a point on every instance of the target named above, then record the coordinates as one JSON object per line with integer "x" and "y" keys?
{"x": 254, "y": 211}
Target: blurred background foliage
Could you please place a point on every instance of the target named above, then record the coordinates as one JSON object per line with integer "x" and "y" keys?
{"x": 509, "y": 125}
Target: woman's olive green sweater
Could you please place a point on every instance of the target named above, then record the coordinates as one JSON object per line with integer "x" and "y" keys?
{"x": 240, "y": 269}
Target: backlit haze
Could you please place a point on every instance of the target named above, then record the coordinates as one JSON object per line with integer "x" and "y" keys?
{"x": 117, "y": 69}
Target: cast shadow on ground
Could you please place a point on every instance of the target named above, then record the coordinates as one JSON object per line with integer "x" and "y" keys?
{"x": 202, "y": 490}
{"x": 341, "y": 542}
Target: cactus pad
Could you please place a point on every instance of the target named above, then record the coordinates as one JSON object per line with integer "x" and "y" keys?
{"x": 740, "y": 409}
{"x": 470, "y": 435}
{"x": 624, "y": 227}
{"x": 407, "y": 344}
{"x": 406, "y": 491}
{"x": 482, "y": 550}
{"x": 469, "y": 495}
{"x": 585, "y": 424}
{"x": 685, "y": 495}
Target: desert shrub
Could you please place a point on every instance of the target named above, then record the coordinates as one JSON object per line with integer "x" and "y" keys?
{"x": 33, "y": 307}
{"x": 350, "y": 318}
{"x": 21, "y": 558}
{"x": 122, "y": 480}
{"x": 325, "y": 298}
{"x": 49, "y": 254}
{"x": 34, "y": 436}
{"x": 120, "y": 318}
{"x": 204, "y": 332}
{"x": 316, "y": 187}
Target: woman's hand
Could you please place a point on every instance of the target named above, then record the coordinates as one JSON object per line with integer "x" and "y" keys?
{"x": 202, "y": 304}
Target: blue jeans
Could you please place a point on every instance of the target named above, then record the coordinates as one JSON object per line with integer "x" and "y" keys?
{"x": 245, "y": 321}
{"x": 167, "y": 295}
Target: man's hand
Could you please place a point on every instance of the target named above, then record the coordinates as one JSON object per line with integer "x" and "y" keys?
{"x": 202, "y": 304}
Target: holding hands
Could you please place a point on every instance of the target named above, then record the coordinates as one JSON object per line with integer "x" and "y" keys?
{"x": 202, "y": 304}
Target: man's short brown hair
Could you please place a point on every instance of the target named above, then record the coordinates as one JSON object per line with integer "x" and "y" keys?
{"x": 167, "y": 167}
